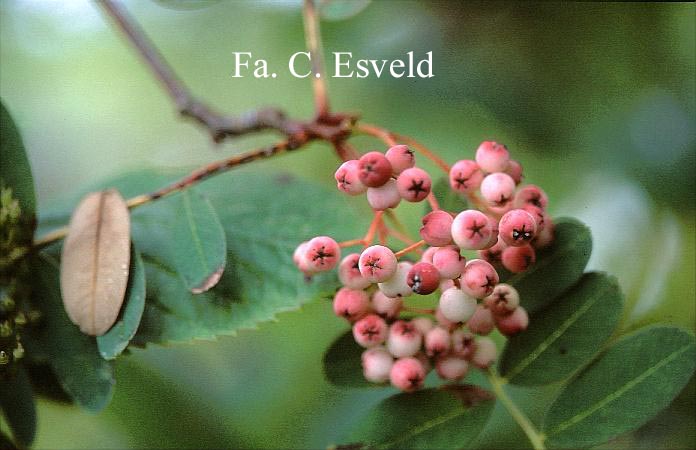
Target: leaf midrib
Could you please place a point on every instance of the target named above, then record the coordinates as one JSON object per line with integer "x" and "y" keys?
{"x": 619, "y": 392}
{"x": 194, "y": 233}
{"x": 546, "y": 343}
{"x": 425, "y": 427}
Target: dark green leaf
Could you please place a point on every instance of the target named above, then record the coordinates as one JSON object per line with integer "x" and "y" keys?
{"x": 431, "y": 418}
{"x": 558, "y": 267}
{"x": 117, "y": 338}
{"x": 341, "y": 9}
{"x": 448, "y": 199}
{"x": 45, "y": 382}
{"x": 17, "y": 404}
{"x": 565, "y": 335}
{"x": 75, "y": 359}
{"x": 629, "y": 384}
{"x": 15, "y": 171}
{"x": 342, "y": 363}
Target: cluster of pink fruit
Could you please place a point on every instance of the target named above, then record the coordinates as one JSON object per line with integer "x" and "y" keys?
{"x": 512, "y": 222}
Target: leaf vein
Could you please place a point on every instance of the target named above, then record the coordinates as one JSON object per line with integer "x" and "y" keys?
{"x": 618, "y": 393}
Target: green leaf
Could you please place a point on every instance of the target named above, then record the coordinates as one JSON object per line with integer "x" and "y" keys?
{"x": 117, "y": 338}
{"x": 75, "y": 359}
{"x": 342, "y": 363}
{"x": 260, "y": 279}
{"x": 628, "y": 385}
{"x": 447, "y": 198}
{"x": 566, "y": 335}
{"x": 558, "y": 267}
{"x": 15, "y": 171}
{"x": 431, "y": 418}
{"x": 17, "y": 404}
{"x": 186, "y": 231}
{"x": 341, "y": 9}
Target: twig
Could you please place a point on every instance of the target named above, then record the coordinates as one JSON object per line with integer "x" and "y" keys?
{"x": 535, "y": 437}
{"x": 219, "y": 126}
{"x": 313, "y": 40}
{"x": 409, "y": 249}
{"x": 193, "y": 178}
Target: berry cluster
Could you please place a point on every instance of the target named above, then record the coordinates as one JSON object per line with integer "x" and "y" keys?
{"x": 508, "y": 227}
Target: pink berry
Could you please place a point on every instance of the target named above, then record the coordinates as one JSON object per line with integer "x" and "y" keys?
{"x": 427, "y": 255}
{"x": 518, "y": 259}
{"x": 407, "y": 374}
{"x": 351, "y": 304}
{"x": 374, "y": 169}
{"x": 531, "y": 194}
{"x": 463, "y": 344}
{"x": 347, "y": 179}
{"x": 482, "y": 322}
{"x": 404, "y": 339}
{"x": 479, "y": 278}
{"x": 498, "y": 189}
{"x": 349, "y": 273}
{"x": 377, "y": 364}
{"x": 446, "y": 284}
{"x": 514, "y": 169}
{"x": 443, "y": 321}
{"x": 423, "y": 278}
{"x": 384, "y": 197}
{"x": 472, "y": 230}
{"x": 377, "y": 264}
{"x": 437, "y": 228}
{"x": 485, "y": 354}
{"x": 465, "y": 176}
{"x": 369, "y": 331}
{"x": 414, "y": 184}
{"x": 437, "y": 342}
{"x": 499, "y": 210}
{"x": 422, "y": 324}
{"x": 456, "y": 305}
{"x": 503, "y": 301}
{"x": 449, "y": 262}
{"x": 299, "y": 257}
{"x": 386, "y": 307}
{"x": 322, "y": 253}
{"x": 492, "y": 157}
{"x": 397, "y": 285}
{"x": 545, "y": 236}
{"x": 513, "y": 323}
{"x": 538, "y": 214}
{"x": 517, "y": 228}
{"x": 401, "y": 158}
{"x": 451, "y": 368}
{"x": 493, "y": 254}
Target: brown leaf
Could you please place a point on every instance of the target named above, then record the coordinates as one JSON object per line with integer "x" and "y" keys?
{"x": 95, "y": 261}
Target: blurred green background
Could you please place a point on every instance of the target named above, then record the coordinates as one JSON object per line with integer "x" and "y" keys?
{"x": 596, "y": 100}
